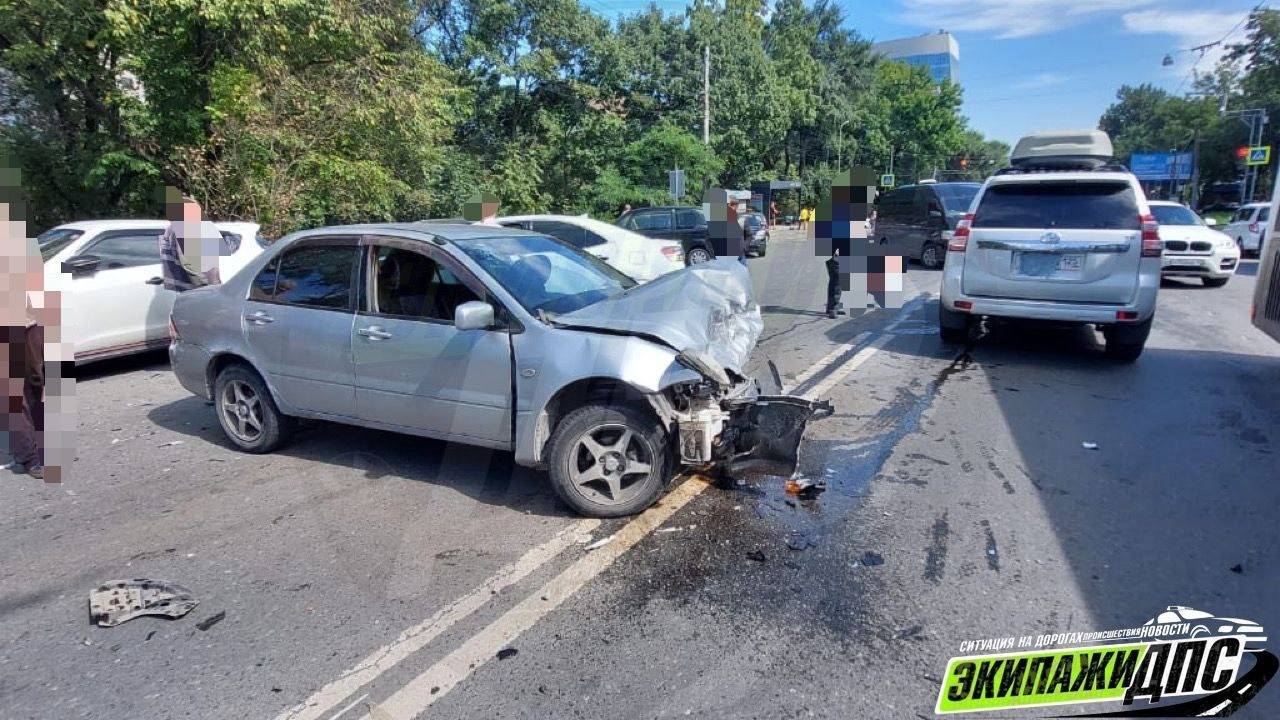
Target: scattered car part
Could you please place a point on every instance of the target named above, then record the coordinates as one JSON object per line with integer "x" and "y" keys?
{"x": 117, "y": 601}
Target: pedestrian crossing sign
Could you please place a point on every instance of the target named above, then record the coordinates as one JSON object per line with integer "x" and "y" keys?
{"x": 1260, "y": 155}
{"x": 886, "y": 180}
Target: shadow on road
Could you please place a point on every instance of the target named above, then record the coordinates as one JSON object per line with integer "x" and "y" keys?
{"x": 487, "y": 476}
{"x": 150, "y": 360}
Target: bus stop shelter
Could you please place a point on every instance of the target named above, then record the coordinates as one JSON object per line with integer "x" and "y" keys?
{"x": 767, "y": 191}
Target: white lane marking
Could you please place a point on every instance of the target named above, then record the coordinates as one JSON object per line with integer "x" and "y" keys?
{"x": 822, "y": 364}
{"x": 860, "y": 357}
{"x": 350, "y": 705}
{"x": 436, "y": 681}
{"x": 418, "y": 636}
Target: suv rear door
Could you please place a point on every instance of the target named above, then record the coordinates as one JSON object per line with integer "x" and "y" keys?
{"x": 1073, "y": 240}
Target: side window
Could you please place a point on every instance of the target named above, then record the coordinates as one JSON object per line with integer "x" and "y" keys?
{"x": 523, "y": 225}
{"x": 689, "y": 218}
{"x": 411, "y": 285}
{"x": 230, "y": 244}
{"x": 127, "y": 249}
{"x": 630, "y": 222}
{"x": 316, "y": 276}
{"x": 568, "y": 233}
{"x": 653, "y": 220}
{"x": 1242, "y": 215}
{"x": 1263, "y": 214}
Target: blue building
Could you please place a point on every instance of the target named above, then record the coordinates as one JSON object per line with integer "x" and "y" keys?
{"x": 939, "y": 53}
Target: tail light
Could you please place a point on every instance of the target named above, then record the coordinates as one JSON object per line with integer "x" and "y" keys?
{"x": 173, "y": 329}
{"x": 1126, "y": 315}
{"x": 673, "y": 253}
{"x": 1151, "y": 245}
{"x": 1253, "y": 227}
{"x": 960, "y": 238}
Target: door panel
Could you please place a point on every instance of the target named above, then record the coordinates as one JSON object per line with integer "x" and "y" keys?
{"x": 114, "y": 306}
{"x": 413, "y": 368}
{"x": 297, "y": 322}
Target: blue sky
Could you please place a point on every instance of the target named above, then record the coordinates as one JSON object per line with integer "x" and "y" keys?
{"x": 1029, "y": 65}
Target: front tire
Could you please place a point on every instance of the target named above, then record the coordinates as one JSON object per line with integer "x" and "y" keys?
{"x": 609, "y": 461}
{"x": 246, "y": 411}
{"x": 1215, "y": 282}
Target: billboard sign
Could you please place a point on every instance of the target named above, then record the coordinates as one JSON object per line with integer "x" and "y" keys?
{"x": 1161, "y": 166}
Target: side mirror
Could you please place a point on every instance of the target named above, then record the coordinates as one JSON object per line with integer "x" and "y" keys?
{"x": 1210, "y": 222}
{"x": 81, "y": 265}
{"x": 473, "y": 315}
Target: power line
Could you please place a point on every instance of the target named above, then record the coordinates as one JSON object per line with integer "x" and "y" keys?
{"x": 1205, "y": 47}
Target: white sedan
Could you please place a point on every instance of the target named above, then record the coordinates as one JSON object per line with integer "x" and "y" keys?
{"x": 108, "y": 271}
{"x": 639, "y": 257}
{"x": 1192, "y": 247}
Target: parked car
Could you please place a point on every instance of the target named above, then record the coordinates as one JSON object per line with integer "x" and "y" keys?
{"x": 639, "y": 257}
{"x": 1192, "y": 247}
{"x": 686, "y": 224}
{"x": 1061, "y": 236}
{"x": 919, "y": 219}
{"x": 1248, "y": 227}
{"x": 494, "y": 337}
{"x": 114, "y": 302}
{"x": 755, "y": 233}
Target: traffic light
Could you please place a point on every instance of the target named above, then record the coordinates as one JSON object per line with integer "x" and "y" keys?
{"x": 1242, "y": 152}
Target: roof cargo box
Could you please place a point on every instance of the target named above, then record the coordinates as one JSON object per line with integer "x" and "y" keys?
{"x": 1069, "y": 148}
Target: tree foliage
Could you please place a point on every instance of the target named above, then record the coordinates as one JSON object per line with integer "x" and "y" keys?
{"x": 304, "y": 112}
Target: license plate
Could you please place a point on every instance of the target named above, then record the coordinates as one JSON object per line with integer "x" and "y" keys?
{"x": 1046, "y": 264}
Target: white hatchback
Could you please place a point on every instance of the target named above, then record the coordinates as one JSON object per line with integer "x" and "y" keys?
{"x": 640, "y": 258}
{"x": 1248, "y": 227}
{"x": 115, "y": 302}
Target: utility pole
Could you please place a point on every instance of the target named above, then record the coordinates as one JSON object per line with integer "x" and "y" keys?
{"x": 706, "y": 94}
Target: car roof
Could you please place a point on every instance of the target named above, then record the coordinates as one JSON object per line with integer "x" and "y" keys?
{"x": 1031, "y": 177}
{"x": 665, "y": 207}
{"x": 146, "y": 223}
{"x": 543, "y": 216}
{"x": 441, "y": 230}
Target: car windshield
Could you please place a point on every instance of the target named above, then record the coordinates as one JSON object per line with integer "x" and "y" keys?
{"x": 1175, "y": 215}
{"x": 53, "y": 241}
{"x": 544, "y": 274}
{"x": 956, "y": 199}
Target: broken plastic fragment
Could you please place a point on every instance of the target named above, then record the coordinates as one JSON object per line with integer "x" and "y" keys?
{"x": 1089, "y": 445}
{"x": 805, "y": 487}
{"x": 871, "y": 559}
{"x": 599, "y": 543}
{"x": 112, "y": 603}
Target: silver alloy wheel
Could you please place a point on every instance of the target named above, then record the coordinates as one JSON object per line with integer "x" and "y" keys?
{"x": 699, "y": 255}
{"x": 609, "y": 463}
{"x": 241, "y": 410}
{"x": 929, "y": 257}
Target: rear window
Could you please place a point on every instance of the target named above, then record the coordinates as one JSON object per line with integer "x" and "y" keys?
{"x": 1076, "y": 205}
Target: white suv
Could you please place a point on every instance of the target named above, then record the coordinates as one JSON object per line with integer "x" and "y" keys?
{"x": 1062, "y": 236}
{"x": 1248, "y": 227}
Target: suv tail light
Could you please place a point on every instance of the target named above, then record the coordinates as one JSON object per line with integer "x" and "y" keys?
{"x": 673, "y": 252}
{"x": 1253, "y": 227}
{"x": 960, "y": 238}
{"x": 173, "y": 329}
{"x": 1151, "y": 245}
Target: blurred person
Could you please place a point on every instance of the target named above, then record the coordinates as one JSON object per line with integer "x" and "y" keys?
{"x": 481, "y": 208}
{"x": 626, "y": 208}
{"x": 724, "y": 232}
{"x": 24, "y": 322}
{"x": 773, "y": 213}
{"x": 190, "y": 246}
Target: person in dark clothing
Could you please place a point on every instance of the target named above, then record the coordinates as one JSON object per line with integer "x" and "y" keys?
{"x": 834, "y": 306}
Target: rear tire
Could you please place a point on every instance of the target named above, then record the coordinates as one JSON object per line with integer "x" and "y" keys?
{"x": 1125, "y": 342}
{"x": 698, "y": 256}
{"x": 932, "y": 256}
{"x": 595, "y": 457}
{"x": 953, "y": 326}
{"x": 246, "y": 411}
{"x": 1215, "y": 282}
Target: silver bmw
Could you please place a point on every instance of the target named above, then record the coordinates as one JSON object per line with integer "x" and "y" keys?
{"x": 494, "y": 337}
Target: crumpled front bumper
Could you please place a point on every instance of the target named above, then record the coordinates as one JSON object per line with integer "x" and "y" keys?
{"x": 749, "y": 433}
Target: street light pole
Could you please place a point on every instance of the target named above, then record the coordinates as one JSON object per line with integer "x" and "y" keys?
{"x": 840, "y": 144}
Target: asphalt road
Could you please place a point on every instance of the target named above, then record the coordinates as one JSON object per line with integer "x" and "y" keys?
{"x": 367, "y": 573}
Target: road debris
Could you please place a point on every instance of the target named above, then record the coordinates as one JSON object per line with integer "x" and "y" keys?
{"x": 210, "y": 621}
{"x": 804, "y": 487}
{"x": 505, "y": 653}
{"x": 599, "y": 543}
{"x": 1237, "y": 569}
{"x": 871, "y": 559}
{"x": 799, "y": 541}
{"x": 171, "y": 443}
{"x": 114, "y": 602}
{"x": 758, "y": 556}
{"x": 1089, "y": 445}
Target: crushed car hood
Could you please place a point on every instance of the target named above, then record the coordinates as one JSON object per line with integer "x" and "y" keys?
{"x": 705, "y": 311}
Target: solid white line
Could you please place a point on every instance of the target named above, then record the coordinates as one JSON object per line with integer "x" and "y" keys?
{"x": 418, "y": 636}
{"x": 350, "y": 705}
{"x": 843, "y": 371}
{"x": 822, "y": 364}
{"x": 436, "y": 681}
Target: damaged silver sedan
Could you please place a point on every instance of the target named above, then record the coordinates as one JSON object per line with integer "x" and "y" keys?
{"x": 492, "y": 337}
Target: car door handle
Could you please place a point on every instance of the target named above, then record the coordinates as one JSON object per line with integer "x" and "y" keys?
{"x": 373, "y": 332}
{"x": 155, "y": 281}
{"x": 259, "y": 318}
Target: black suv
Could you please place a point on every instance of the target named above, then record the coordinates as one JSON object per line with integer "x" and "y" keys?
{"x": 919, "y": 219}
{"x": 686, "y": 224}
